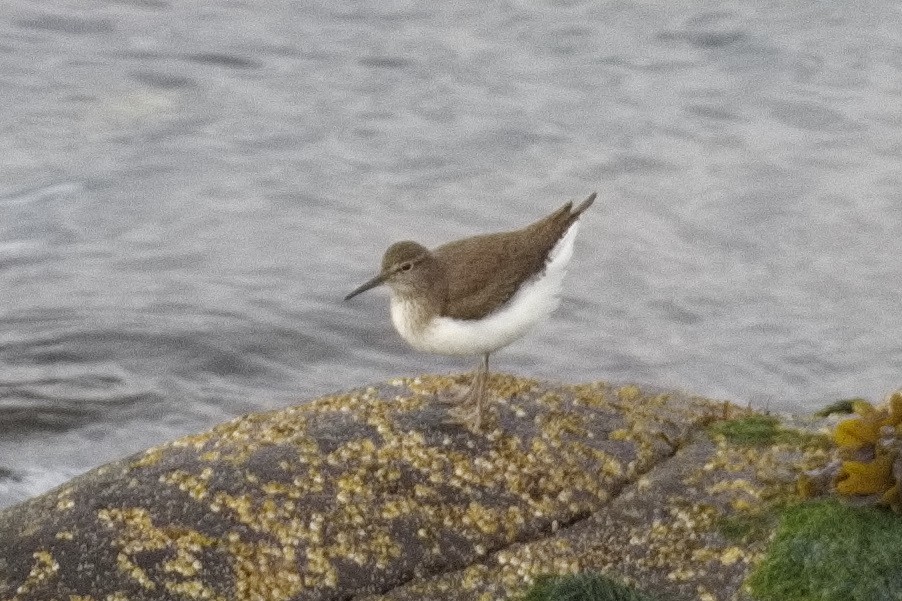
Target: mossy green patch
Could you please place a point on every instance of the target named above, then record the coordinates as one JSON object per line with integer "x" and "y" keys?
{"x": 762, "y": 430}
{"x": 750, "y": 430}
{"x": 589, "y": 586}
{"x": 745, "y": 528}
{"x": 826, "y": 551}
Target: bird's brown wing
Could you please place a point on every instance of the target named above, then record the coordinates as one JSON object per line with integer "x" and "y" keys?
{"x": 485, "y": 271}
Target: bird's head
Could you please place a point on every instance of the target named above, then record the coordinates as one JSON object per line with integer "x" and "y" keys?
{"x": 407, "y": 267}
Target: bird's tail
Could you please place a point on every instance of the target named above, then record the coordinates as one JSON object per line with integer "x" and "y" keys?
{"x": 584, "y": 205}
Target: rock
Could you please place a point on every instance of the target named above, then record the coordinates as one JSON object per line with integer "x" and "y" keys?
{"x": 372, "y": 494}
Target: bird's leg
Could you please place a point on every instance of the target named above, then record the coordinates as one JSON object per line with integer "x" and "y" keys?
{"x": 465, "y": 412}
{"x": 469, "y": 397}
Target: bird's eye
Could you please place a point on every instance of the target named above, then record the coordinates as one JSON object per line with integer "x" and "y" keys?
{"x": 406, "y": 266}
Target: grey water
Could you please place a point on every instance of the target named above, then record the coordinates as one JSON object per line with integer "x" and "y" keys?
{"x": 188, "y": 189}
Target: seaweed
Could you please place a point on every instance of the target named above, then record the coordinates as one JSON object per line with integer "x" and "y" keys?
{"x": 869, "y": 445}
{"x": 842, "y": 406}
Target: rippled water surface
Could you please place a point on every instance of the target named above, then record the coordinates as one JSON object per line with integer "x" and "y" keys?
{"x": 189, "y": 188}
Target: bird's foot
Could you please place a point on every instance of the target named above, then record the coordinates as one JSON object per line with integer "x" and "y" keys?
{"x": 452, "y": 399}
{"x": 467, "y": 414}
{"x": 467, "y": 399}
{"x": 478, "y": 387}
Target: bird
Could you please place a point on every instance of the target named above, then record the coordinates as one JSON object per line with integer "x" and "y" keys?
{"x": 476, "y": 295}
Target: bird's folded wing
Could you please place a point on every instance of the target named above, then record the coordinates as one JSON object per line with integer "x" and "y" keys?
{"x": 484, "y": 272}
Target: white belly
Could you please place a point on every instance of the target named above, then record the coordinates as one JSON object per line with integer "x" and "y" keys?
{"x": 533, "y": 302}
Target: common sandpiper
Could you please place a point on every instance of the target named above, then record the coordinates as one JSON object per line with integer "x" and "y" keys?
{"x": 476, "y": 295}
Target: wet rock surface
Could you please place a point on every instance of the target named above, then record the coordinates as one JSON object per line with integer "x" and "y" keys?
{"x": 373, "y": 494}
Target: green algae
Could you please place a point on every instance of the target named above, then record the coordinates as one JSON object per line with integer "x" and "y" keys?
{"x": 746, "y": 528}
{"x": 589, "y": 586}
{"x": 763, "y": 430}
{"x": 753, "y": 430}
{"x": 827, "y": 551}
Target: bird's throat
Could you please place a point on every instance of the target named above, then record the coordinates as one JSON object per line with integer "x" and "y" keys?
{"x": 411, "y": 318}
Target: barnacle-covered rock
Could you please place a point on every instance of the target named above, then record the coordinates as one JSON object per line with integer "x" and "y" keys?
{"x": 372, "y": 495}
{"x": 349, "y": 494}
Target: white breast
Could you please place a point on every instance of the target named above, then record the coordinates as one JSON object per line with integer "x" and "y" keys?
{"x": 532, "y": 303}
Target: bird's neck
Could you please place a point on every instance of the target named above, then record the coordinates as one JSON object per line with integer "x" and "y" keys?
{"x": 416, "y": 308}
{"x": 413, "y": 307}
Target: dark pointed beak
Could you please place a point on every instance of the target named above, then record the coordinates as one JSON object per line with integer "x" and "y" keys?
{"x": 376, "y": 281}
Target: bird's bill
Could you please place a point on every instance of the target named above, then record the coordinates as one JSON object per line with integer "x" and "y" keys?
{"x": 376, "y": 281}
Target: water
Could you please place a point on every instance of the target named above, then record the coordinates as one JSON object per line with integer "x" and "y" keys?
{"x": 189, "y": 188}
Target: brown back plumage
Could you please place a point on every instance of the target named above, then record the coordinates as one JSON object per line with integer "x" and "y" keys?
{"x": 484, "y": 272}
